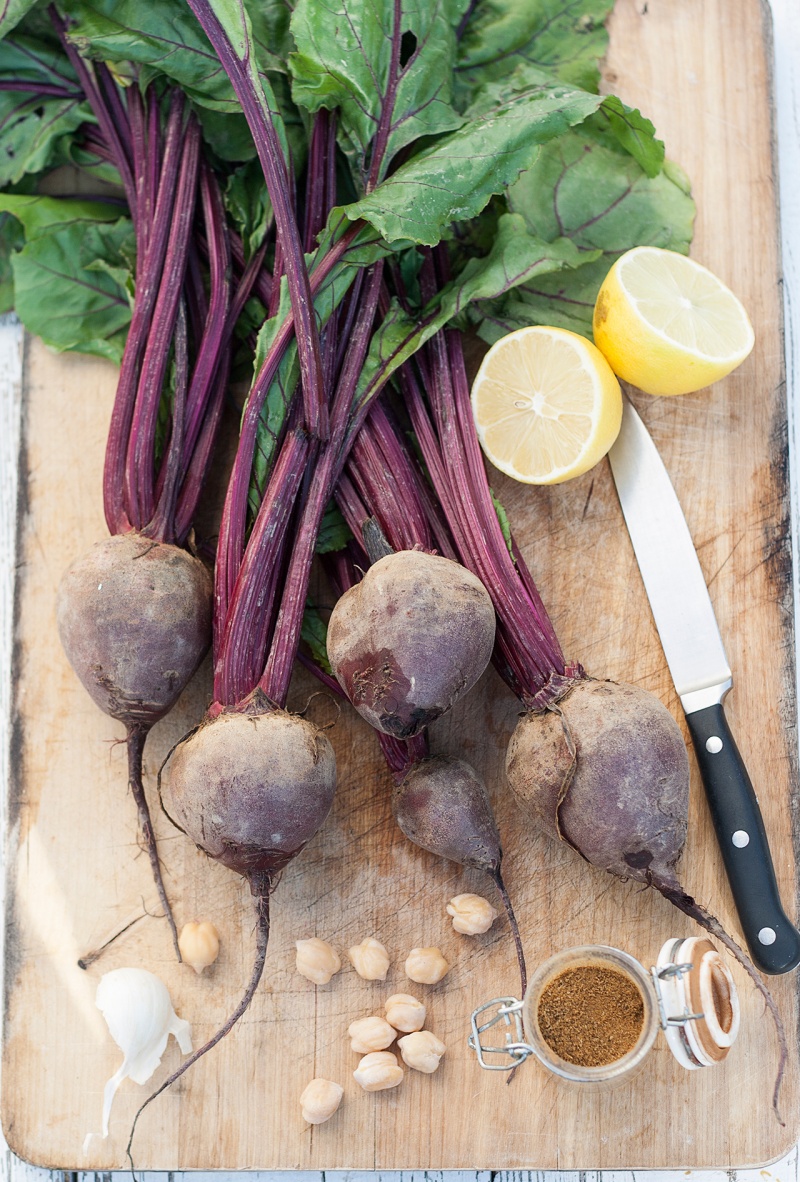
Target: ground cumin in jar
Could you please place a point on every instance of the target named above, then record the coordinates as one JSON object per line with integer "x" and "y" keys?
{"x": 591, "y": 1015}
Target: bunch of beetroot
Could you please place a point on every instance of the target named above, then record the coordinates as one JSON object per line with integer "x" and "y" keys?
{"x": 402, "y": 153}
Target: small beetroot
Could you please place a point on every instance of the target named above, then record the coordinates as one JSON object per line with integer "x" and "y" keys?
{"x": 442, "y": 806}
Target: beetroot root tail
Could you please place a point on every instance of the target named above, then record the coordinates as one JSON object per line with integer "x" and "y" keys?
{"x": 673, "y": 892}
{"x": 135, "y": 740}
{"x": 497, "y": 878}
{"x": 262, "y": 939}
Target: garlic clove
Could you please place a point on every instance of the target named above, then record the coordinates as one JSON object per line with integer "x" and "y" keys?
{"x": 140, "y": 1018}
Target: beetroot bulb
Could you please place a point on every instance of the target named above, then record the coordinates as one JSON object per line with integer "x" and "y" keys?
{"x": 415, "y": 633}
{"x": 599, "y": 765}
{"x": 134, "y": 613}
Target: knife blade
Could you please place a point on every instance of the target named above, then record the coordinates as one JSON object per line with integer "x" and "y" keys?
{"x": 687, "y": 627}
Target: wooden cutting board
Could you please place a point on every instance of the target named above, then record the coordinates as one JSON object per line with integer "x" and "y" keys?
{"x": 701, "y": 70}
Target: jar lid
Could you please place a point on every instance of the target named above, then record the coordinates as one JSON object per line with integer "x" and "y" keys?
{"x": 698, "y": 1001}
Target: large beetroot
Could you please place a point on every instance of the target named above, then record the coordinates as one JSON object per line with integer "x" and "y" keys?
{"x": 251, "y": 789}
{"x": 622, "y": 737}
{"x": 134, "y": 617}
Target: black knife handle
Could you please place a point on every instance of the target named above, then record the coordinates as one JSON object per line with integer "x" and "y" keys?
{"x": 773, "y": 941}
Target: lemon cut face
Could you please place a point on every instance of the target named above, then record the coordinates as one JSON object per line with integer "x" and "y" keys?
{"x": 667, "y": 324}
{"x": 547, "y": 406}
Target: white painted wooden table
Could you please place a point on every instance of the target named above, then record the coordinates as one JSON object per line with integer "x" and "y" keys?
{"x": 786, "y": 24}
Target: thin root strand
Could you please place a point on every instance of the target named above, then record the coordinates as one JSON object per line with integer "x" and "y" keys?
{"x": 137, "y": 734}
{"x": 262, "y": 939}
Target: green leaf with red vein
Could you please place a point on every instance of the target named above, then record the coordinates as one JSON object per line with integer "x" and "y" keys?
{"x": 455, "y": 177}
{"x": 388, "y": 68}
{"x": 69, "y": 277}
{"x": 565, "y": 39}
{"x": 37, "y": 121}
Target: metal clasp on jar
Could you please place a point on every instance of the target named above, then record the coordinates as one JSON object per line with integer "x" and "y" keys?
{"x": 666, "y": 974}
{"x": 509, "y": 1012}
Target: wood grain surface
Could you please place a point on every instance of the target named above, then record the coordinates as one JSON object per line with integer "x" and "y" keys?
{"x": 699, "y": 68}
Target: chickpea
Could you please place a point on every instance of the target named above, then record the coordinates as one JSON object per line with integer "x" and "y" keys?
{"x": 405, "y": 1012}
{"x": 316, "y": 960}
{"x": 378, "y": 1071}
{"x": 320, "y": 1099}
{"x": 421, "y": 1050}
{"x": 426, "y": 965}
{"x": 199, "y": 945}
{"x": 370, "y": 959}
{"x": 370, "y": 1034}
{"x": 472, "y": 914}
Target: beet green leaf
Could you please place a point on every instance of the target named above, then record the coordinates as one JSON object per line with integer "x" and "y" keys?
{"x": 164, "y": 39}
{"x": 600, "y": 199}
{"x": 388, "y": 69}
{"x": 38, "y": 120}
{"x": 12, "y": 13}
{"x": 454, "y": 178}
{"x": 566, "y": 39}
{"x": 72, "y": 280}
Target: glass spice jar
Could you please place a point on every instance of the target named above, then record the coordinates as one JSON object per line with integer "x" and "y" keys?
{"x": 591, "y": 1014}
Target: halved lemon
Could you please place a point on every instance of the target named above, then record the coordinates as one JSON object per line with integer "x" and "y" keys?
{"x": 547, "y": 406}
{"x": 668, "y": 325}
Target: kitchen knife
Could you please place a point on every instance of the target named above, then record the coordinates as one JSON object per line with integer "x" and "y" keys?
{"x": 696, "y": 658}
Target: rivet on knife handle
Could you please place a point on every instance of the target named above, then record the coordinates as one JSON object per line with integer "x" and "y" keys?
{"x": 773, "y": 941}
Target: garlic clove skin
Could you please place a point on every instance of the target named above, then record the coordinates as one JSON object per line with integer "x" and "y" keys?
{"x": 199, "y": 945}
{"x": 138, "y": 1012}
